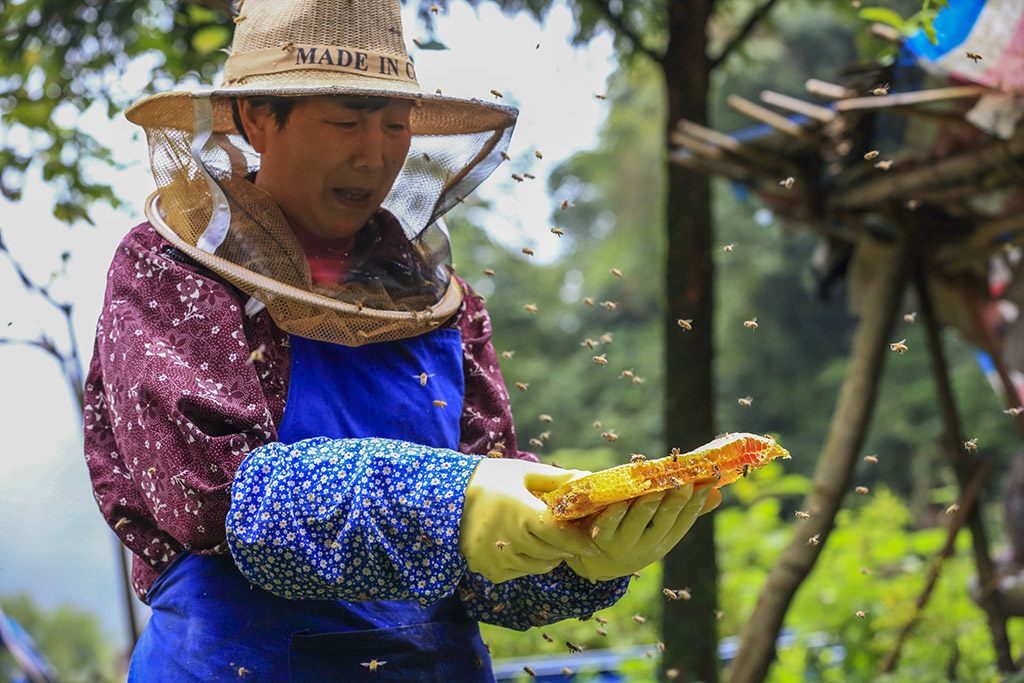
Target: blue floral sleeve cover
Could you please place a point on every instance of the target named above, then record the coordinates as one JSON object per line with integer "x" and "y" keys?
{"x": 378, "y": 519}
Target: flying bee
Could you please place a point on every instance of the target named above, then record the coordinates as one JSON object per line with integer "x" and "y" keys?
{"x": 497, "y": 93}
{"x": 952, "y": 509}
{"x": 538, "y": 155}
{"x": 803, "y": 515}
{"x": 880, "y": 90}
{"x": 544, "y": 417}
{"x": 974, "y": 56}
{"x": 635, "y": 575}
{"x": 685, "y": 324}
{"x": 873, "y": 459}
{"x": 288, "y": 46}
{"x": 610, "y": 305}
{"x": 638, "y": 380}
{"x": 566, "y": 671}
{"x": 670, "y": 594}
{"x": 423, "y": 377}
{"x": 1014, "y": 411}
{"x": 616, "y": 272}
{"x": 728, "y": 248}
{"x": 536, "y": 443}
{"x": 861, "y": 490}
{"x": 257, "y": 355}
{"x": 507, "y": 355}
{"x": 597, "y": 424}
{"x": 639, "y": 619}
{"x": 594, "y": 532}
{"x": 500, "y": 545}
{"x": 488, "y": 272}
{"x": 528, "y": 251}
{"x": 684, "y": 594}
{"x": 871, "y": 155}
{"x": 600, "y": 620}
{"x": 417, "y": 43}
{"x": 516, "y": 177}
{"x": 573, "y": 647}
{"x": 628, "y": 374}
{"x": 860, "y": 613}
{"x": 435, "y": 9}
{"x": 506, "y": 157}
{"x": 373, "y": 664}
{"x": 529, "y": 672}
{"x": 745, "y": 470}
{"x": 566, "y": 204}
{"x": 460, "y": 200}
{"x": 610, "y": 436}
{"x": 121, "y": 522}
{"x": 899, "y": 347}
{"x": 675, "y": 454}
{"x": 530, "y": 308}
{"x": 547, "y": 637}
{"x": 589, "y": 343}
{"x": 588, "y": 301}
{"x": 606, "y": 338}
{"x": 971, "y": 445}
{"x": 661, "y": 646}
{"x": 788, "y": 182}
{"x": 438, "y": 91}
{"x": 601, "y": 360}
{"x": 439, "y": 403}
{"x": 672, "y": 674}
{"x": 884, "y": 165}
{"x": 602, "y": 632}
{"x": 529, "y": 176}
{"x": 750, "y": 324}
{"x": 814, "y": 540}
{"x": 601, "y": 97}
{"x": 494, "y": 454}
{"x": 544, "y": 436}
{"x": 557, "y": 231}
{"x": 521, "y": 386}
{"x": 745, "y": 401}
{"x": 912, "y": 204}
{"x": 910, "y": 317}
{"x": 637, "y": 457}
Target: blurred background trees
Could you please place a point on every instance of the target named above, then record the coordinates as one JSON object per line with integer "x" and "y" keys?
{"x": 626, "y": 208}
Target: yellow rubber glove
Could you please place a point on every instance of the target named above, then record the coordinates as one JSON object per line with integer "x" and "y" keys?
{"x": 634, "y": 534}
{"x": 507, "y": 532}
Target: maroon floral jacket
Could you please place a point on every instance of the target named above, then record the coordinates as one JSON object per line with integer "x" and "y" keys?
{"x": 174, "y": 403}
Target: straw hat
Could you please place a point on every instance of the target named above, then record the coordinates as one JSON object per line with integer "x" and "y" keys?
{"x": 207, "y": 207}
{"x": 327, "y": 47}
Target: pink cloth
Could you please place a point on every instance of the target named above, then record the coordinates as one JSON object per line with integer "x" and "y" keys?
{"x": 173, "y": 402}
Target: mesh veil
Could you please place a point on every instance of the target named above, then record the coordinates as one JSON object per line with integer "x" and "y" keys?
{"x": 399, "y": 280}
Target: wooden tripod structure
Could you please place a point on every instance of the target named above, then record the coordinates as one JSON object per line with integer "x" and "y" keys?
{"x": 908, "y": 223}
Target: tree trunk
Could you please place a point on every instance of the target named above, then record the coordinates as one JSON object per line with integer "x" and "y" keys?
{"x": 689, "y": 627}
{"x": 833, "y": 474}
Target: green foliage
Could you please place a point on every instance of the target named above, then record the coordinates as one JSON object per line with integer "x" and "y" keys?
{"x": 68, "y": 636}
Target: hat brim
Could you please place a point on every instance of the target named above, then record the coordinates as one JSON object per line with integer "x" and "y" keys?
{"x": 433, "y": 114}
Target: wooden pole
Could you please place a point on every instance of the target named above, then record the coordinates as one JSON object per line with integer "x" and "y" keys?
{"x": 965, "y": 468}
{"x": 833, "y": 474}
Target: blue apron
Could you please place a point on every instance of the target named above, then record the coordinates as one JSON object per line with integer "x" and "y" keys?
{"x": 209, "y": 623}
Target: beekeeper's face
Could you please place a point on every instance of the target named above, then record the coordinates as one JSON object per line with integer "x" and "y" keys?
{"x": 330, "y": 165}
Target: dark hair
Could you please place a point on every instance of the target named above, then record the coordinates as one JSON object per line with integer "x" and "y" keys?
{"x": 281, "y": 107}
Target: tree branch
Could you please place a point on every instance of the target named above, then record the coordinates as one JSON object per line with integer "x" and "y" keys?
{"x": 619, "y": 24}
{"x": 752, "y": 21}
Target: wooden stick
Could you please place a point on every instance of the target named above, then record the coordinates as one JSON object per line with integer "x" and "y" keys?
{"x": 834, "y": 470}
{"x": 965, "y": 469}
{"x": 910, "y": 98}
{"x": 828, "y": 91}
{"x": 904, "y": 185}
{"x": 966, "y": 503}
{"x": 756, "y": 111}
{"x": 776, "y": 165}
{"x": 795, "y": 104}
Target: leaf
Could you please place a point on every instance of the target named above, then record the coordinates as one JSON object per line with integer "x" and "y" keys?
{"x": 883, "y": 16}
{"x": 210, "y": 38}
{"x": 929, "y": 30}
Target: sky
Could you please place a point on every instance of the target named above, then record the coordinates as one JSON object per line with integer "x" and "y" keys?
{"x": 54, "y": 544}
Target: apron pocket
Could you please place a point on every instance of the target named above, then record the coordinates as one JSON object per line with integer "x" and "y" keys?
{"x": 421, "y": 653}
